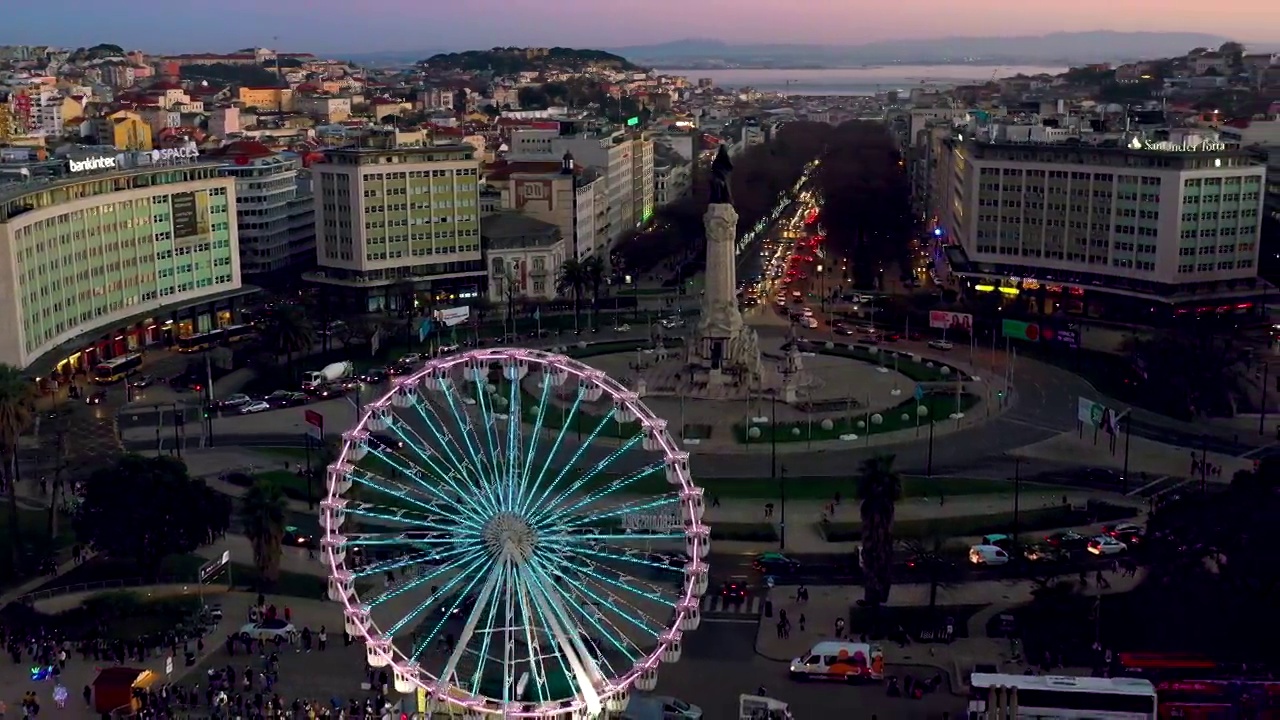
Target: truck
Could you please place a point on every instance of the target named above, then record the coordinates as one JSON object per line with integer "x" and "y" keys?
{"x": 332, "y": 372}
{"x": 759, "y": 707}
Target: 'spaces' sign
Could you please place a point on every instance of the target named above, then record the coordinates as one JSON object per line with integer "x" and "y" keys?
{"x": 945, "y": 320}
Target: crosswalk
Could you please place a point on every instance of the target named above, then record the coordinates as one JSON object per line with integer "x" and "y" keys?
{"x": 749, "y": 606}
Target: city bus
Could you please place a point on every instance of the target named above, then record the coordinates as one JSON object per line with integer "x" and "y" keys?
{"x": 116, "y": 369}
{"x": 1219, "y": 700}
{"x": 1157, "y": 666}
{"x": 200, "y": 342}
{"x": 1062, "y": 698}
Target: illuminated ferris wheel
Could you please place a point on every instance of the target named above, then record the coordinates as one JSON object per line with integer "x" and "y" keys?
{"x": 496, "y": 536}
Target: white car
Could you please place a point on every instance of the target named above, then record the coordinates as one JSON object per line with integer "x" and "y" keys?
{"x": 987, "y": 555}
{"x": 622, "y": 328}
{"x": 411, "y": 359}
{"x": 940, "y": 344}
{"x": 810, "y": 322}
{"x": 808, "y": 312}
{"x": 269, "y": 630}
{"x": 1106, "y": 545}
{"x": 256, "y": 406}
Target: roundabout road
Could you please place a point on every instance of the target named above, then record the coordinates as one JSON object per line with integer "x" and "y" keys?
{"x": 1044, "y": 405}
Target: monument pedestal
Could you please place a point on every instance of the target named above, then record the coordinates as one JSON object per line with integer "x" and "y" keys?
{"x": 725, "y": 348}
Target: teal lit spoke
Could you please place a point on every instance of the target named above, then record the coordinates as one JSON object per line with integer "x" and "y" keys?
{"x": 608, "y": 634}
{"x": 383, "y": 566}
{"x": 555, "y": 448}
{"x": 629, "y": 559}
{"x": 484, "y": 488}
{"x": 536, "y": 671}
{"x": 430, "y": 508}
{"x": 573, "y": 461}
{"x": 476, "y": 570}
{"x": 552, "y": 600}
{"x": 436, "y": 424}
{"x": 474, "y": 558}
{"x": 549, "y": 633}
{"x": 483, "y": 655}
{"x": 444, "y": 475}
{"x": 552, "y": 509}
{"x": 611, "y": 604}
{"x": 410, "y": 518}
{"x": 514, "y": 465}
{"x": 532, "y": 451}
{"x": 656, "y": 597}
{"x": 488, "y": 420}
{"x": 564, "y": 519}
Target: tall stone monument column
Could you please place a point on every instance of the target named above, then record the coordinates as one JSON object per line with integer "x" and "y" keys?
{"x": 725, "y": 346}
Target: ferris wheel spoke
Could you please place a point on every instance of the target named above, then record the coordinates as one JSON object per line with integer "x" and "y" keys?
{"x": 422, "y": 557}
{"x": 554, "y": 514}
{"x": 533, "y": 646}
{"x": 488, "y": 419}
{"x": 568, "y": 493}
{"x": 475, "y": 571}
{"x": 414, "y": 518}
{"x": 461, "y": 565}
{"x": 573, "y": 462}
{"x": 417, "y": 444}
{"x": 529, "y": 500}
{"x": 515, "y": 449}
{"x": 591, "y": 610}
{"x": 534, "y": 436}
{"x": 439, "y": 428}
{"x": 590, "y": 518}
{"x": 484, "y": 490}
{"x": 485, "y": 597}
{"x": 585, "y": 669}
{"x": 485, "y": 641}
{"x": 576, "y": 583}
{"x": 625, "y": 558}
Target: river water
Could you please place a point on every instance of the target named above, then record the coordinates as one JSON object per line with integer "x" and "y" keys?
{"x": 860, "y": 80}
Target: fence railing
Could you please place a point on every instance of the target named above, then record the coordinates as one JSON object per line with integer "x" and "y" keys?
{"x": 38, "y": 595}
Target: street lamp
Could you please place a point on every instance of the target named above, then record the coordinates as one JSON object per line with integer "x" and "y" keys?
{"x": 822, "y": 289}
{"x": 922, "y": 412}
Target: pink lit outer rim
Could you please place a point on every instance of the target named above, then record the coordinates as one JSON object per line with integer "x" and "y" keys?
{"x": 613, "y": 688}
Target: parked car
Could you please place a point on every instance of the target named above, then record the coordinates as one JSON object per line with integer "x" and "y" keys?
{"x": 841, "y": 328}
{"x": 1127, "y": 533}
{"x": 1106, "y": 545}
{"x": 988, "y": 555}
{"x": 775, "y": 563}
{"x": 940, "y": 344}
{"x": 286, "y": 398}
{"x": 234, "y": 400}
{"x": 1068, "y": 541}
{"x": 256, "y": 406}
{"x": 269, "y": 630}
{"x": 1041, "y": 553}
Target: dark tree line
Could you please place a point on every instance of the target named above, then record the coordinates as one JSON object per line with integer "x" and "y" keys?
{"x": 246, "y": 75}
{"x": 761, "y": 173}
{"x": 866, "y": 200}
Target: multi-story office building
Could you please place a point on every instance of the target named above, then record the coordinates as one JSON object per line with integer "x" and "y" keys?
{"x": 625, "y": 159}
{"x": 107, "y": 260}
{"x": 393, "y": 219}
{"x": 568, "y": 196}
{"x": 276, "y": 212}
{"x": 1129, "y": 231}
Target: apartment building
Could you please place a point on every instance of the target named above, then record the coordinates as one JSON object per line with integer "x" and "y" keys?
{"x": 276, "y": 216}
{"x": 391, "y": 217}
{"x": 1148, "y": 226}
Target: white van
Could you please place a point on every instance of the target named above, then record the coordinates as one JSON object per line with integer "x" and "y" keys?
{"x": 840, "y": 660}
{"x": 987, "y": 555}
{"x": 758, "y": 707}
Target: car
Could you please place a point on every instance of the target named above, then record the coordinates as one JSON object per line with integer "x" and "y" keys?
{"x": 940, "y": 345}
{"x": 374, "y": 376}
{"x": 775, "y": 563}
{"x": 234, "y": 400}
{"x": 96, "y": 398}
{"x": 671, "y": 322}
{"x": 809, "y": 322}
{"x": 285, "y": 398}
{"x": 456, "y": 607}
{"x": 891, "y": 336}
{"x": 297, "y": 538}
{"x": 269, "y": 630}
{"x": 410, "y": 359}
{"x": 841, "y": 328}
{"x": 256, "y": 406}
{"x": 1067, "y": 541}
{"x": 807, "y": 312}
{"x": 780, "y": 302}
{"x": 1041, "y": 553}
{"x": 1127, "y": 533}
{"x": 622, "y": 328}
{"x": 1106, "y": 545}
{"x": 988, "y": 555}
{"x": 734, "y": 589}
{"x": 142, "y": 381}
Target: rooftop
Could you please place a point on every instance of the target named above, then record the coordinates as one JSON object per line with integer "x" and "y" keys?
{"x": 512, "y": 230}
{"x": 16, "y": 190}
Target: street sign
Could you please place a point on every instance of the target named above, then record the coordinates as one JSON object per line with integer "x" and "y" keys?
{"x": 168, "y": 665}
{"x": 652, "y": 522}
{"x": 315, "y": 424}
{"x": 919, "y": 393}
{"x": 212, "y": 567}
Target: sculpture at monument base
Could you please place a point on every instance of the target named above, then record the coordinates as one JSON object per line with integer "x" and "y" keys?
{"x": 725, "y": 347}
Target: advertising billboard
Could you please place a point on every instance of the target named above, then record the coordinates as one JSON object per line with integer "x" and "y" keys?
{"x": 186, "y": 215}
{"x": 945, "y": 320}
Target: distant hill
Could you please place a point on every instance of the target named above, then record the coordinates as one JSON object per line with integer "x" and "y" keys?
{"x": 1051, "y": 49}
{"x": 505, "y": 61}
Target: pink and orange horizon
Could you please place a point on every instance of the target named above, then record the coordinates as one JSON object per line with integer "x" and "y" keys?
{"x": 334, "y": 26}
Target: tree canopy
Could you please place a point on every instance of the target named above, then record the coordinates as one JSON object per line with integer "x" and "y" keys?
{"x": 146, "y": 508}
{"x": 246, "y": 75}
{"x": 866, "y": 206}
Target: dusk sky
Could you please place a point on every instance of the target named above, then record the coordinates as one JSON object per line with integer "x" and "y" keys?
{"x": 334, "y": 26}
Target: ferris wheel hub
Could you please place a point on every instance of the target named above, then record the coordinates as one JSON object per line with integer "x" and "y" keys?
{"x": 511, "y": 535}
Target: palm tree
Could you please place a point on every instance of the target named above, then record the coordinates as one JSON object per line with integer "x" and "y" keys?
{"x": 290, "y": 332}
{"x": 572, "y": 280}
{"x": 593, "y": 275}
{"x": 263, "y": 510}
{"x": 17, "y": 395}
{"x": 879, "y": 487}
{"x": 927, "y": 557}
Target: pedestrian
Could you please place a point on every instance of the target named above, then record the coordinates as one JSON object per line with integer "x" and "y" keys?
{"x": 1100, "y": 581}
{"x": 839, "y": 628}
{"x": 942, "y": 499}
{"x": 768, "y": 510}
{"x": 715, "y": 501}
{"x": 800, "y": 621}
{"x": 322, "y": 639}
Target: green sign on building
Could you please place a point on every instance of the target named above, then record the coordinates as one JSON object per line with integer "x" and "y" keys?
{"x": 1019, "y": 330}
{"x": 632, "y": 121}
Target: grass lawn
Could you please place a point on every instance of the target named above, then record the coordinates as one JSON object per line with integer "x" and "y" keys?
{"x": 919, "y": 371}
{"x": 1029, "y": 521}
{"x": 940, "y": 405}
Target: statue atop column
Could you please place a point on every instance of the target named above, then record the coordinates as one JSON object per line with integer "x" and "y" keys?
{"x": 721, "y": 169}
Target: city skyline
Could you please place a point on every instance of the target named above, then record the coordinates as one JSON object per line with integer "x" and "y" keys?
{"x": 325, "y": 26}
